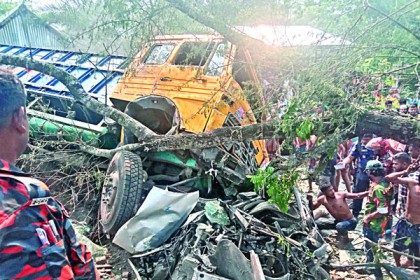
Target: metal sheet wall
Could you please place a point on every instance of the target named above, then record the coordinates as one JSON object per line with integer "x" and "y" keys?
{"x": 36, "y": 35}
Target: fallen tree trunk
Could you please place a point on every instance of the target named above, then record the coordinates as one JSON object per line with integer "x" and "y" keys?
{"x": 405, "y": 130}
{"x": 214, "y": 138}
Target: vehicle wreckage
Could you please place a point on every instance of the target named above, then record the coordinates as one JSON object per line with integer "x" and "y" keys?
{"x": 243, "y": 237}
{"x": 183, "y": 84}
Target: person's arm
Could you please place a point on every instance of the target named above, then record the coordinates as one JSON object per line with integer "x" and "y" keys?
{"x": 356, "y": 195}
{"x": 396, "y": 177}
{"x": 394, "y": 151}
{"x": 382, "y": 206}
{"x": 354, "y": 153}
{"x": 375, "y": 215}
{"x": 347, "y": 160}
{"x": 317, "y": 203}
{"x": 340, "y": 151}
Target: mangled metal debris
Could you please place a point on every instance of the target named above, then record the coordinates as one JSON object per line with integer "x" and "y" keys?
{"x": 216, "y": 214}
{"x": 238, "y": 245}
{"x": 161, "y": 214}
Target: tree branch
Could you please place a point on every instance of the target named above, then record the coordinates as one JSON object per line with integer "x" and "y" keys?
{"x": 383, "y": 19}
{"x": 222, "y": 28}
{"x": 392, "y": 250}
{"x": 393, "y": 20}
{"x": 402, "y": 129}
{"x": 214, "y": 138}
{"x": 401, "y": 68}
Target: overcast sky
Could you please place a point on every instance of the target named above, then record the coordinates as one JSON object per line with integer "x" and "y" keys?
{"x": 35, "y": 4}
{"x": 40, "y": 3}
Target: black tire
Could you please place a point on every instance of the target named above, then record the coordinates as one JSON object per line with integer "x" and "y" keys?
{"x": 122, "y": 192}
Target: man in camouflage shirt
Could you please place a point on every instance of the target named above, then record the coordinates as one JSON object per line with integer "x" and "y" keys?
{"x": 37, "y": 240}
{"x": 377, "y": 219}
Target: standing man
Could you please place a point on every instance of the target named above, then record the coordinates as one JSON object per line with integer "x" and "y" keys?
{"x": 377, "y": 218}
{"x": 409, "y": 226}
{"x": 363, "y": 154}
{"x": 37, "y": 239}
{"x": 400, "y": 162}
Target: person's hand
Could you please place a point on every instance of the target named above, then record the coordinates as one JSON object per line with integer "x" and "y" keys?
{"x": 414, "y": 166}
{"x": 366, "y": 221}
{"x": 309, "y": 196}
{"x": 398, "y": 211}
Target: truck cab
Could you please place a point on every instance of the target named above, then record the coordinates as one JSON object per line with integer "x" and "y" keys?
{"x": 183, "y": 84}
{"x": 196, "y": 84}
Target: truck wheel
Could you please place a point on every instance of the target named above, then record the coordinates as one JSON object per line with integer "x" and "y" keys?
{"x": 122, "y": 191}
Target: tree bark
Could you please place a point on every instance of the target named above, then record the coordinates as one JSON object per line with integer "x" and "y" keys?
{"x": 403, "y": 129}
{"x": 79, "y": 94}
{"x": 214, "y": 138}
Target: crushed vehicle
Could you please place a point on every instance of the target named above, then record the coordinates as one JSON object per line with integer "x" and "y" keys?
{"x": 188, "y": 84}
{"x": 193, "y": 84}
{"x": 181, "y": 84}
{"x": 243, "y": 237}
{"x": 176, "y": 84}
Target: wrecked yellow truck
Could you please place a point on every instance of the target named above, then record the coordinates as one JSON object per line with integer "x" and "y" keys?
{"x": 182, "y": 84}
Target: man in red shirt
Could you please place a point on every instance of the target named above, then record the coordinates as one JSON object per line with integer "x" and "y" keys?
{"x": 37, "y": 240}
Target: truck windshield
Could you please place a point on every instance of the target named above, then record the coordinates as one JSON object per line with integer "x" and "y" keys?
{"x": 194, "y": 53}
{"x": 158, "y": 54}
{"x": 217, "y": 62}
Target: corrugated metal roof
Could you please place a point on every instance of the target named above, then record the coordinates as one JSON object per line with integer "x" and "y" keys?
{"x": 21, "y": 27}
{"x": 98, "y": 74}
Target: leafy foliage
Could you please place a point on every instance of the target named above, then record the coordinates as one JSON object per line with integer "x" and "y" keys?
{"x": 383, "y": 46}
{"x": 6, "y": 7}
{"x": 116, "y": 26}
{"x": 278, "y": 187}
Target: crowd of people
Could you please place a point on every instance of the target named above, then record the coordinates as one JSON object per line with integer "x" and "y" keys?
{"x": 394, "y": 102}
{"x": 385, "y": 175}
{"x": 384, "y": 96}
